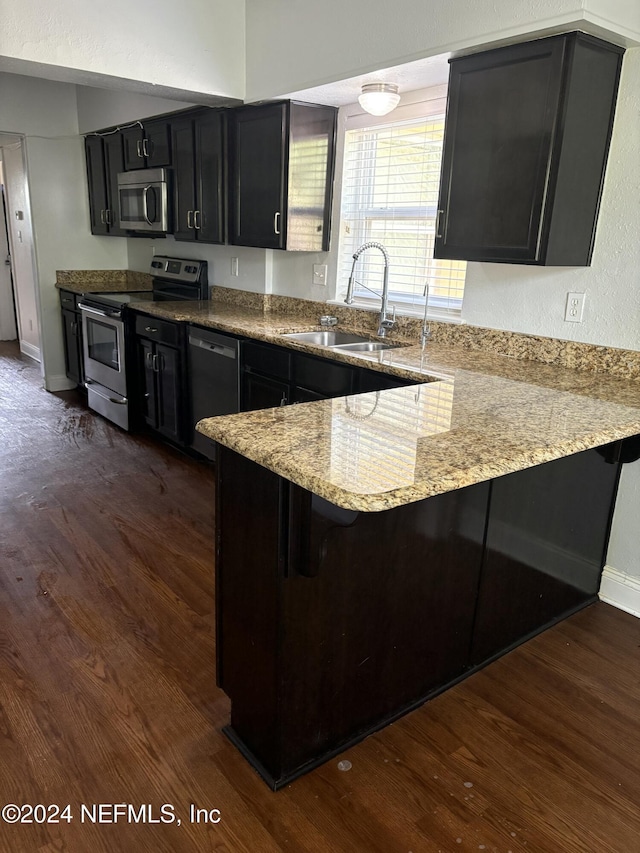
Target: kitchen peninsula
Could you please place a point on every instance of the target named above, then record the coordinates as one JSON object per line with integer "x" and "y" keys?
{"x": 373, "y": 549}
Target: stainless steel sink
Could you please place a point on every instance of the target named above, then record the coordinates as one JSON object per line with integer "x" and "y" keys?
{"x": 327, "y": 339}
{"x": 366, "y": 346}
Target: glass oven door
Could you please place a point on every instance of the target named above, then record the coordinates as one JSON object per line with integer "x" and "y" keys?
{"x": 104, "y": 349}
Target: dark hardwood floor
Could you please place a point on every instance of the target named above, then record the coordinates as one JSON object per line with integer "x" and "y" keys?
{"x": 107, "y": 686}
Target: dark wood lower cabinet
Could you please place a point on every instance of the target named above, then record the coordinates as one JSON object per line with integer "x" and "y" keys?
{"x": 72, "y": 339}
{"x": 332, "y": 623}
{"x": 546, "y": 544}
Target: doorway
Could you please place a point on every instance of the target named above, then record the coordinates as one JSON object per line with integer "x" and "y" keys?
{"x": 19, "y": 309}
{"x": 8, "y": 319}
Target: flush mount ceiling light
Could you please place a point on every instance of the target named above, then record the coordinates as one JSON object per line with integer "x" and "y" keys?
{"x": 379, "y": 98}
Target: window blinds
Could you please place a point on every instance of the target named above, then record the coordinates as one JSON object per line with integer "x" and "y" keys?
{"x": 390, "y": 194}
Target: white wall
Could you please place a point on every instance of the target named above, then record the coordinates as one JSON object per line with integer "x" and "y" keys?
{"x": 252, "y": 263}
{"x": 46, "y": 113}
{"x": 98, "y": 108}
{"x": 194, "y": 45}
{"x": 292, "y": 46}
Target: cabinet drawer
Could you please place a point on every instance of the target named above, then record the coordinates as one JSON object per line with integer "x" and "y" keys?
{"x": 267, "y": 359}
{"x": 69, "y": 300}
{"x": 157, "y": 330}
{"x": 326, "y": 377}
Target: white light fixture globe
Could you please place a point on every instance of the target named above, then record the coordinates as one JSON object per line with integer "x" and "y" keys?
{"x": 379, "y": 98}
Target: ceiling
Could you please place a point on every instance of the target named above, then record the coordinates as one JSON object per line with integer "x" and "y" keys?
{"x": 420, "y": 74}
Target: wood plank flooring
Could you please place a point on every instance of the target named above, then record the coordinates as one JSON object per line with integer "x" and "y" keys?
{"x": 107, "y": 687}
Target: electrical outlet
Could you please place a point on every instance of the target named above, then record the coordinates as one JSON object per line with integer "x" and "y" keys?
{"x": 320, "y": 274}
{"x": 574, "y": 308}
{"x": 234, "y": 266}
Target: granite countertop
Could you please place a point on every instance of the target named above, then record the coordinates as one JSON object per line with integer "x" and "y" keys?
{"x": 102, "y": 281}
{"x": 478, "y": 415}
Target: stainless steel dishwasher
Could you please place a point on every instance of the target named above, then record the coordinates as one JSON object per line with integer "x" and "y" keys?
{"x": 214, "y": 379}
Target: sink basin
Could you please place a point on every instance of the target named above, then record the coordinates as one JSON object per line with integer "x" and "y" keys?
{"x": 327, "y": 339}
{"x": 366, "y": 346}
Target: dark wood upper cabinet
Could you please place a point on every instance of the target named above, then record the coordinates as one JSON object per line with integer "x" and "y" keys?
{"x": 147, "y": 145}
{"x": 114, "y": 164}
{"x": 105, "y": 159}
{"x": 281, "y": 166}
{"x": 526, "y": 143}
{"x": 199, "y": 177}
{"x": 97, "y": 183}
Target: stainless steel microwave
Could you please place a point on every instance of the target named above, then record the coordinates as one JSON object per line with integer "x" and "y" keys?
{"x": 143, "y": 197}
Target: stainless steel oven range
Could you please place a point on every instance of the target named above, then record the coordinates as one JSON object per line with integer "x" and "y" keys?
{"x": 104, "y": 324}
{"x": 105, "y": 353}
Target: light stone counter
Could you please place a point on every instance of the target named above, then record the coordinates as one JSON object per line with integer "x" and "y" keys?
{"x": 479, "y": 415}
{"x": 102, "y": 281}
{"x": 380, "y": 450}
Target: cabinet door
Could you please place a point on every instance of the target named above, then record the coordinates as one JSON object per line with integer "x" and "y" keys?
{"x": 114, "y": 164}
{"x": 168, "y": 407}
{"x": 184, "y": 199}
{"x": 157, "y": 143}
{"x": 258, "y": 162}
{"x": 148, "y": 402}
{"x": 501, "y": 121}
{"x": 97, "y": 183}
{"x": 261, "y": 392}
{"x": 132, "y": 138}
{"x": 71, "y": 331}
{"x": 209, "y": 148}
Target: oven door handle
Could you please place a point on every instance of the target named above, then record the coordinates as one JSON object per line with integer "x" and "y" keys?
{"x": 121, "y": 401}
{"x": 113, "y": 315}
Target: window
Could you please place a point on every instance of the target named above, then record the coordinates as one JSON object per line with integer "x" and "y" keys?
{"x": 390, "y": 194}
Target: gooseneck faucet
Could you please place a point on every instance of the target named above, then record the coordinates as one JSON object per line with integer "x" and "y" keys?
{"x": 386, "y": 322}
{"x": 425, "y": 334}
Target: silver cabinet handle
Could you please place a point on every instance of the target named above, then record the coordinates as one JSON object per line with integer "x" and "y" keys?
{"x": 150, "y": 329}
{"x": 196, "y": 220}
{"x": 138, "y": 148}
{"x": 438, "y": 217}
{"x": 103, "y": 217}
{"x": 189, "y": 218}
{"x": 145, "y": 147}
{"x": 107, "y": 216}
{"x": 276, "y": 222}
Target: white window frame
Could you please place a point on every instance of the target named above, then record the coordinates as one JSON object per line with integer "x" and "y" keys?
{"x": 416, "y": 105}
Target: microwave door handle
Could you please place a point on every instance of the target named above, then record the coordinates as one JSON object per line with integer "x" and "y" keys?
{"x": 145, "y": 204}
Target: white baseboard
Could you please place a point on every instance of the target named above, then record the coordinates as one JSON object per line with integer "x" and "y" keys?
{"x": 620, "y": 590}
{"x": 58, "y": 383}
{"x": 30, "y": 350}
